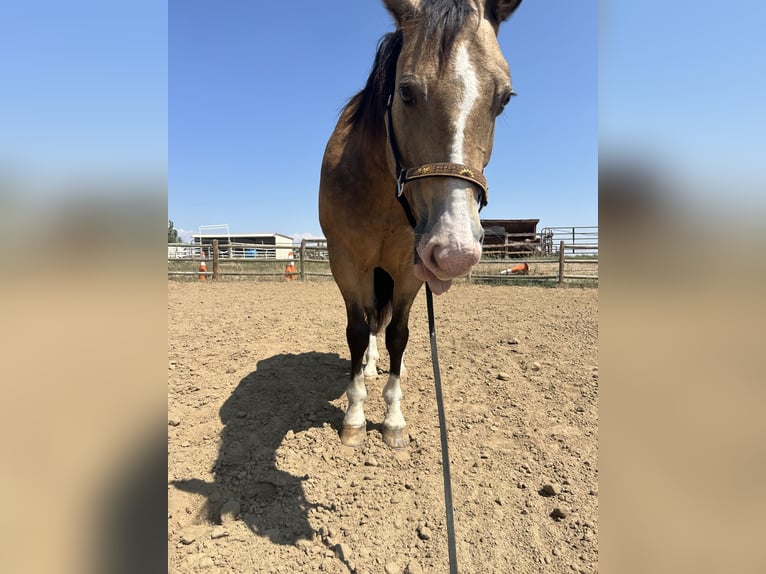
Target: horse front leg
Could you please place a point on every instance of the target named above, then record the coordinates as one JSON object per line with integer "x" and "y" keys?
{"x": 397, "y": 335}
{"x": 354, "y": 428}
{"x": 372, "y": 357}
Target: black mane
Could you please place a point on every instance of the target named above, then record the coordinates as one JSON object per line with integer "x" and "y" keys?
{"x": 368, "y": 107}
{"x": 441, "y": 21}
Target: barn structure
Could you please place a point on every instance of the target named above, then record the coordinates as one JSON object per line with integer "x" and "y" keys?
{"x": 510, "y": 237}
{"x": 247, "y": 245}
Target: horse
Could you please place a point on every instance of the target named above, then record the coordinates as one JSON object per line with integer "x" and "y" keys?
{"x": 402, "y": 182}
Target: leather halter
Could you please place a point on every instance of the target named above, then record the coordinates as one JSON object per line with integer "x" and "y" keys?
{"x": 441, "y": 169}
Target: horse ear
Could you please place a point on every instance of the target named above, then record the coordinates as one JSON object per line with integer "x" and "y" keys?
{"x": 498, "y": 11}
{"x": 400, "y": 9}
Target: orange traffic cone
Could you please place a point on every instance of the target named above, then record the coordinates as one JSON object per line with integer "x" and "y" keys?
{"x": 202, "y": 270}
{"x": 290, "y": 267}
{"x": 521, "y": 269}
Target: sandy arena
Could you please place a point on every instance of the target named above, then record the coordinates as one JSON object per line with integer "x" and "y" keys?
{"x": 259, "y": 481}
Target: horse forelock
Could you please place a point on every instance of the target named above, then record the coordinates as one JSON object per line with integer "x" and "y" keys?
{"x": 442, "y": 21}
{"x": 435, "y": 26}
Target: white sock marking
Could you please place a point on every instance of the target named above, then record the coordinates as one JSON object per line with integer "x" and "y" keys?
{"x": 356, "y": 393}
{"x": 392, "y": 393}
{"x": 371, "y": 368}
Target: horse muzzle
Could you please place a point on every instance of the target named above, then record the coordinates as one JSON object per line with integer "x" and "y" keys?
{"x": 450, "y": 247}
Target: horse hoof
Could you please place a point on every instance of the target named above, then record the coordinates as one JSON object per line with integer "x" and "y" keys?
{"x": 353, "y": 436}
{"x": 396, "y": 438}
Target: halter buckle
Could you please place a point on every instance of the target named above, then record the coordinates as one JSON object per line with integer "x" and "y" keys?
{"x": 400, "y": 181}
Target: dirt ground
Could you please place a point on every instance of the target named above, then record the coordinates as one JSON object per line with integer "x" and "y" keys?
{"x": 258, "y": 480}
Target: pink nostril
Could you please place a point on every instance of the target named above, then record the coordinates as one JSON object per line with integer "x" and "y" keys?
{"x": 434, "y": 257}
{"x": 428, "y": 255}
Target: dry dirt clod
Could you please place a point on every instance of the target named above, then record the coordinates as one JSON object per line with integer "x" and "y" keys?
{"x": 413, "y": 568}
{"x": 188, "y": 537}
{"x": 218, "y": 532}
{"x": 392, "y": 568}
{"x": 559, "y": 513}
{"x": 504, "y": 376}
{"x": 424, "y": 533}
{"x": 550, "y": 490}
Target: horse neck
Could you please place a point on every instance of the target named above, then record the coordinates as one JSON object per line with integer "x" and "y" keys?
{"x": 371, "y": 154}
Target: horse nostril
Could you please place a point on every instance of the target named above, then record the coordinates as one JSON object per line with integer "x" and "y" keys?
{"x": 433, "y": 257}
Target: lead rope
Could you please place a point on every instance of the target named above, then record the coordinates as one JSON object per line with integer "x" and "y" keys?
{"x": 451, "y": 546}
{"x": 400, "y": 173}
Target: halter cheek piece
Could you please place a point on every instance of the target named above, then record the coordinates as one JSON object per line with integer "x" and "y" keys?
{"x": 442, "y": 169}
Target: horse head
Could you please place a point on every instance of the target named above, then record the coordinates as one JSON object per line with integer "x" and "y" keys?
{"x": 451, "y": 83}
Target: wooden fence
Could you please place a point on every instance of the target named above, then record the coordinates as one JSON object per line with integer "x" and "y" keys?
{"x": 567, "y": 263}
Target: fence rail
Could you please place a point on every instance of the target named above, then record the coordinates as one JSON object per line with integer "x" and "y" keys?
{"x": 574, "y": 237}
{"x": 561, "y": 263}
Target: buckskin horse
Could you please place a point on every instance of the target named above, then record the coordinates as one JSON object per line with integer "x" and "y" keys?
{"x": 402, "y": 180}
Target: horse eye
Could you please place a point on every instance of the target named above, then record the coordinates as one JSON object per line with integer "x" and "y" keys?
{"x": 505, "y": 101}
{"x": 405, "y": 92}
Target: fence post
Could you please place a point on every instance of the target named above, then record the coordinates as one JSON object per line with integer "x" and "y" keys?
{"x": 303, "y": 259}
{"x": 216, "y": 266}
{"x": 561, "y": 262}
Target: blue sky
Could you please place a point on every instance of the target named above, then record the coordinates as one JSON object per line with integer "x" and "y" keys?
{"x": 682, "y": 84}
{"x": 255, "y": 90}
{"x": 84, "y": 91}
{"x": 222, "y": 94}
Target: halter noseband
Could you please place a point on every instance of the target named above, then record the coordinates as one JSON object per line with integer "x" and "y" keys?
{"x": 442, "y": 169}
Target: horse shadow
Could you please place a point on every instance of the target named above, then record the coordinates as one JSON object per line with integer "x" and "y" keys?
{"x": 285, "y": 393}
